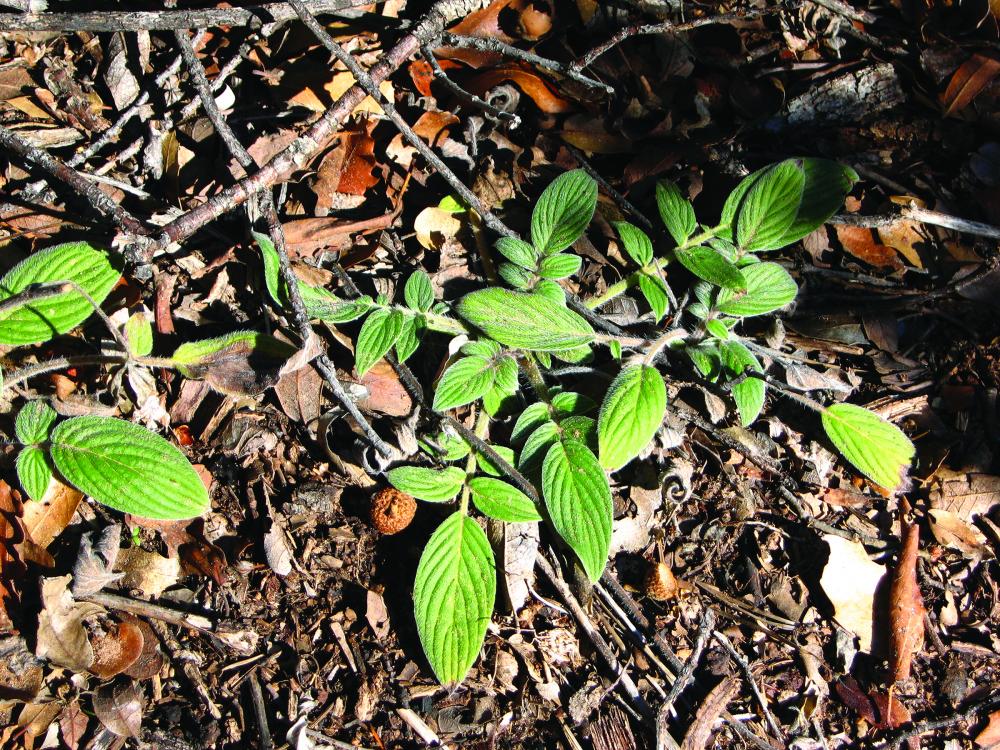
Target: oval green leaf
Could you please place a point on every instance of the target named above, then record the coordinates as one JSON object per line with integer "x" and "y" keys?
{"x": 769, "y": 207}
{"x": 748, "y": 395}
{"x": 139, "y": 334}
{"x": 431, "y": 485}
{"x": 34, "y": 322}
{"x": 453, "y": 596}
{"x": 34, "y": 422}
{"x": 518, "y": 252}
{"x": 128, "y": 468}
{"x": 502, "y": 501}
{"x": 378, "y": 333}
{"x": 463, "y": 382}
{"x": 34, "y": 471}
{"x": 240, "y": 363}
{"x": 676, "y": 211}
{"x": 654, "y": 289}
{"x": 632, "y": 412}
{"x": 708, "y": 265}
{"x": 578, "y": 500}
{"x": 525, "y": 321}
{"x": 769, "y": 287}
{"x": 876, "y": 447}
{"x": 559, "y": 266}
{"x": 418, "y": 292}
{"x": 563, "y": 211}
{"x": 636, "y": 242}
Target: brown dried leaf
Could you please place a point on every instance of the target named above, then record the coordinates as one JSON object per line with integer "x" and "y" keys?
{"x": 990, "y": 734}
{"x": 116, "y": 649}
{"x": 34, "y": 721}
{"x": 119, "y": 706}
{"x": 12, "y": 566}
{"x": 952, "y": 531}
{"x": 906, "y": 606}
{"x": 536, "y": 87}
{"x": 45, "y": 520}
{"x": 150, "y": 661}
{"x": 148, "y": 572}
{"x": 73, "y": 725}
{"x": 967, "y": 495}
{"x": 968, "y": 81}
{"x": 299, "y": 394}
{"x": 699, "y": 734}
{"x": 434, "y": 226}
{"x": 62, "y": 638}
{"x": 277, "y": 550}
{"x": 386, "y": 393}
{"x": 20, "y": 671}
{"x": 862, "y": 244}
{"x": 95, "y": 562}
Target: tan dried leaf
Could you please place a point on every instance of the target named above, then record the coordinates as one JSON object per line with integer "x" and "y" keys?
{"x": 116, "y": 649}
{"x": 989, "y": 736}
{"x": 45, "y": 520}
{"x": 906, "y": 606}
{"x": 148, "y": 572}
{"x": 952, "y": 531}
{"x": 73, "y": 725}
{"x": 12, "y": 566}
{"x": 277, "y": 551}
{"x": 967, "y": 495}
{"x": 62, "y": 638}
{"x": 434, "y": 226}
{"x": 95, "y": 562}
{"x": 850, "y": 581}
{"x": 119, "y": 706}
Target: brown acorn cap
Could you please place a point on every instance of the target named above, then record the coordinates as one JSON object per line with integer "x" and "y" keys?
{"x": 392, "y": 510}
{"x": 661, "y": 584}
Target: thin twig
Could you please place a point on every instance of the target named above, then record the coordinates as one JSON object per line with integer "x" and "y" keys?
{"x": 494, "y": 112}
{"x": 98, "y": 199}
{"x": 748, "y": 673}
{"x": 371, "y": 88}
{"x": 663, "y": 738}
{"x": 259, "y": 711}
{"x": 322, "y": 362}
{"x": 167, "y": 19}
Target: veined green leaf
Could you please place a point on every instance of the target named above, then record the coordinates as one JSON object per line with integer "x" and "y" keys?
{"x": 128, "y": 468}
{"x": 769, "y": 207}
{"x": 705, "y": 357}
{"x": 446, "y": 446}
{"x": 551, "y": 290}
{"x": 708, "y": 265}
{"x": 409, "y": 337}
{"x": 453, "y": 596}
{"x": 563, "y": 211}
{"x": 581, "y": 429}
{"x": 418, "y": 292}
{"x": 240, "y": 363}
{"x": 34, "y": 322}
{"x": 559, "y": 266}
{"x": 769, "y": 288}
{"x": 571, "y": 403}
{"x": 654, "y": 289}
{"x": 717, "y": 328}
{"x": 431, "y": 485}
{"x": 676, "y": 211}
{"x": 378, "y": 333}
{"x": 876, "y": 447}
{"x": 481, "y": 348}
{"x": 34, "y": 471}
{"x": 636, "y": 242}
{"x": 827, "y": 184}
{"x": 34, "y": 422}
{"x": 632, "y": 412}
{"x": 502, "y": 501}
{"x": 578, "y": 500}
{"x": 525, "y": 321}
{"x": 488, "y": 466}
{"x": 139, "y": 334}
{"x": 518, "y": 252}
{"x": 517, "y": 277}
{"x": 748, "y": 395}
{"x": 536, "y": 447}
{"x": 463, "y": 382}
{"x": 534, "y": 416}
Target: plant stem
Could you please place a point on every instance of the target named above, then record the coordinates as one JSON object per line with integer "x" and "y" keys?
{"x": 482, "y": 423}
{"x": 444, "y": 324}
{"x": 535, "y": 378}
{"x": 662, "y": 341}
{"x": 657, "y": 264}
{"x": 61, "y": 363}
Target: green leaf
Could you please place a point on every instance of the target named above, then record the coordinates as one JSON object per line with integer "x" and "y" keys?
{"x": 432, "y": 485}
{"x": 876, "y": 447}
{"x": 559, "y": 266}
{"x": 636, "y": 242}
{"x": 748, "y": 395}
{"x": 378, "y": 333}
{"x": 128, "y": 468}
{"x": 517, "y": 277}
{"x": 453, "y": 596}
{"x": 34, "y": 471}
{"x": 769, "y": 207}
{"x": 41, "y": 320}
{"x": 488, "y": 466}
{"x": 769, "y": 288}
{"x": 525, "y": 321}
{"x": 654, "y": 289}
{"x": 563, "y": 211}
{"x": 502, "y": 501}
{"x": 717, "y": 328}
{"x": 537, "y": 446}
{"x": 240, "y": 363}
{"x": 571, "y": 403}
{"x": 409, "y": 337}
{"x": 139, "y": 334}
{"x": 827, "y": 184}
{"x": 550, "y": 290}
{"x": 574, "y": 356}
{"x": 708, "y": 265}
{"x": 533, "y": 417}
{"x": 676, "y": 211}
{"x": 632, "y": 412}
{"x": 463, "y": 382}
{"x": 452, "y": 205}
{"x": 578, "y": 500}
{"x": 446, "y": 446}
{"x": 518, "y": 252}
{"x": 418, "y": 292}
{"x": 34, "y": 422}
{"x": 706, "y": 358}
{"x": 616, "y": 349}
{"x": 581, "y": 429}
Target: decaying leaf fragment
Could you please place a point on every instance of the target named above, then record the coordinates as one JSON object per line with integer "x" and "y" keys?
{"x": 62, "y": 638}
{"x": 11, "y": 565}
{"x": 850, "y": 581}
{"x": 119, "y": 706}
{"x": 906, "y": 606}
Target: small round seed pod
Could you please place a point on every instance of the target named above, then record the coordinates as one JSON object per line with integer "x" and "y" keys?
{"x": 661, "y": 584}
{"x": 392, "y": 510}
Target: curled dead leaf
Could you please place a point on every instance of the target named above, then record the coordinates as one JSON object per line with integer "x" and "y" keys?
{"x": 148, "y": 572}
{"x": 434, "y": 226}
{"x": 62, "y": 637}
{"x": 45, "y": 520}
{"x": 906, "y": 606}
{"x": 12, "y": 566}
{"x": 119, "y": 707}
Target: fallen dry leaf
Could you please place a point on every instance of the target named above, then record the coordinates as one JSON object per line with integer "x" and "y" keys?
{"x": 906, "y": 606}
{"x": 850, "y": 581}
{"x": 119, "y": 706}
{"x": 434, "y": 226}
{"x": 536, "y": 87}
{"x": 12, "y": 567}
{"x": 967, "y": 495}
{"x": 386, "y": 392}
{"x": 277, "y": 551}
{"x": 20, "y": 671}
{"x": 95, "y": 562}
{"x": 150, "y": 660}
{"x": 952, "y": 531}
{"x": 990, "y": 734}
{"x": 700, "y": 732}
{"x": 863, "y": 244}
{"x": 968, "y": 81}
{"x": 45, "y": 520}
{"x": 62, "y": 638}
{"x": 148, "y": 572}
{"x": 73, "y": 723}
{"x": 116, "y": 648}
